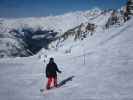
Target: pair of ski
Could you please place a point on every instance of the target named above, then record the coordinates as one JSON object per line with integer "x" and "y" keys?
{"x": 46, "y": 91}
{"x": 63, "y": 82}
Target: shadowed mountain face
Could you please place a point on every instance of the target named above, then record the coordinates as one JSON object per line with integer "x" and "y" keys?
{"x": 35, "y": 40}
{"x": 81, "y": 31}
{"x": 24, "y": 42}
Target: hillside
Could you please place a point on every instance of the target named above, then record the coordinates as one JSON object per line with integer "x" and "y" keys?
{"x": 101, "y": 66}
{"x": 29, "y": 32}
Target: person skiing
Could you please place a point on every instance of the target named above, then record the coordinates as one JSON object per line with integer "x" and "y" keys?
{"x": 51, "y": 73}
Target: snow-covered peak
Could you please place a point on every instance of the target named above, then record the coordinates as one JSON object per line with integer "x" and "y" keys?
{"x": 60, "y": 23}
{"x": 44, "y": 30}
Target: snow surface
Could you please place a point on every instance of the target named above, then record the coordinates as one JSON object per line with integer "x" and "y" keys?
{"x": 102, "y": 66}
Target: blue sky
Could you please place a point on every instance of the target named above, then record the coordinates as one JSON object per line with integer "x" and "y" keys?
{"x": 38, "y": 8}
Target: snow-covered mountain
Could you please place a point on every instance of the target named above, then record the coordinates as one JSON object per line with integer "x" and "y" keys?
{"x": 59, "y": 23}
{"x": 101, "y": 65}
{"x": 33, "y": 34}
{"x": 92, "y": 27}
{"x": 24, "y": 34}
{"x": 11, "y": 46}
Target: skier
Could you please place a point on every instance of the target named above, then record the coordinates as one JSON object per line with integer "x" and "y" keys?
{"x": 51, "y": 73}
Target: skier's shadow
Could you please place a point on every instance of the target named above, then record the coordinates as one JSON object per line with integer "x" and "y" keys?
{"x": 63, "y": 82}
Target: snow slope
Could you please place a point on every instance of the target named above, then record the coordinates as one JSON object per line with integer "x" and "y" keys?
{"x": 102, "y": 66}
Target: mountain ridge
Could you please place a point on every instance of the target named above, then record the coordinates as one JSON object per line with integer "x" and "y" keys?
{"x": 44, "y": 31}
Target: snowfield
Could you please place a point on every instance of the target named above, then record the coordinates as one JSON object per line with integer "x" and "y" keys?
{"x": 101, "y": 66}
